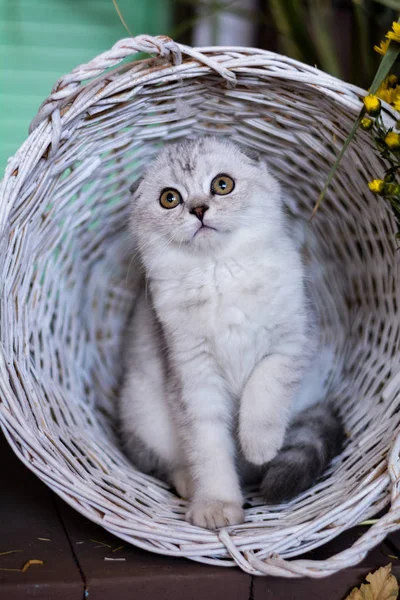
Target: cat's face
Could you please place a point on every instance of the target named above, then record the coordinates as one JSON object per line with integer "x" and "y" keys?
{"x": 198, "y": 193}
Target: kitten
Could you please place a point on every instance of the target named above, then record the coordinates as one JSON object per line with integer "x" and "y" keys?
{"x": 223, "y": 346}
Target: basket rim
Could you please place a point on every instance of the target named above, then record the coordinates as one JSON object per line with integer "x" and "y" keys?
{"x": 46, "y": 129}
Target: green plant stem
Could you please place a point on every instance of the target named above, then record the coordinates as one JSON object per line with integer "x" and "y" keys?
{"x": 337, "y": 161}
{"x": 383, "y": 70}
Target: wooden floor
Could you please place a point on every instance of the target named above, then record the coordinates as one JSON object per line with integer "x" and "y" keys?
{"x": 73, "y": 550}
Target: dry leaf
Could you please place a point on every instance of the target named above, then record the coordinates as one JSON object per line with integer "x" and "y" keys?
{"x": 29, "y": 563}
{"x": 119, "y": 548}
{"x": 102, "y": 544}
{"x": 382, "y": 585}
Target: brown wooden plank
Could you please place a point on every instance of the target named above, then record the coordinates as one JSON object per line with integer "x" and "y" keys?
{"x": 27, "y": 513}
{"x": 143, "y": 574}
{"x": 30, "y": 511}
{"x": 335, "y": 587}
{"x": 393, "y": 541}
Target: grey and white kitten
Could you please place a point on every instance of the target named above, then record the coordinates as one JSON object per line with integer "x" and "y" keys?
{"x": 222, "y": 367}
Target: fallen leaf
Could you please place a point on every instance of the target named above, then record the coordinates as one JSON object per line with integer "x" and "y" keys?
{"x": 382, "y": 585}
{"x": 101, "y": 543}
{"x": 9, "y": 552}
{"x": 29, "y": 563}
{"x": 119, "y": 548}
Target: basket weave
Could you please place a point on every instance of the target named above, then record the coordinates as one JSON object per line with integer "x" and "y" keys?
{"x": 66, "y": 295}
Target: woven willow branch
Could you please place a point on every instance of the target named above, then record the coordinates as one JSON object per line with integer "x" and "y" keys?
{"x": 68, "y": 286}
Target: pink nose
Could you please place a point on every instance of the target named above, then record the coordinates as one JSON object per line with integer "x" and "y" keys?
{"x": 199, "y": 211}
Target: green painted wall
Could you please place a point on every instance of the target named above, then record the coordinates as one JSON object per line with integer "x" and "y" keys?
{"x": 40, "y": 40}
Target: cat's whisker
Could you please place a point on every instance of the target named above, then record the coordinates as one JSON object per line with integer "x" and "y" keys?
{"x": 162, "y": 250}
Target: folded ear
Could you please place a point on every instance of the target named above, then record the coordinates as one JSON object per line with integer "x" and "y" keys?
{"x": 134, "y": 186}
{"x": 250, "y": 153}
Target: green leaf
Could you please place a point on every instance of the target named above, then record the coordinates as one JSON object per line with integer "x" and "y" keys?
{"x": 362, "y": 19}
{"x": 386, "y": 64}
{"x": 290, "y": 19}
{"x": 389, "y": 3}
{"x": 320, "y": 17}
{"x": 383, "y": 70}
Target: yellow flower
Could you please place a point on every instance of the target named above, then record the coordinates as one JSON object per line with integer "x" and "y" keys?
{"x": 387, "y": 94}
{"x": 372, "y": 104}
{"x": 394, "y": 35}
{"x": 383, "y": 46}
{"x": 376, "y": 185}
{"x": 397, "y": 104}
{"x": 388, "y": 90}
{"x": 392, "y": 140}
{"x": 366, "y": 123}
{"x": 391, "y": 36}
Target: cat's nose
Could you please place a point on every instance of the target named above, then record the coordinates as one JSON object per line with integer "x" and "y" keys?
{"x": 199, "y": 211}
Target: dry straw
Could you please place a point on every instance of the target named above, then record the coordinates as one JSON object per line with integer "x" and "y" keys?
{"x": 65, "y": 295}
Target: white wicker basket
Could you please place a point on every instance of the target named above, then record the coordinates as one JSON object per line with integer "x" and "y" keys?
{"x": 65, "y": 296}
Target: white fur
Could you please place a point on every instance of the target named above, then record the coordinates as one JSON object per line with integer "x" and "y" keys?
{"x": 236, "y": 343}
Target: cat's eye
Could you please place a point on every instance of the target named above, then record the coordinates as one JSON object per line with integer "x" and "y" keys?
{"x": 222, "y": 184}
{"x": 170, "y": 198}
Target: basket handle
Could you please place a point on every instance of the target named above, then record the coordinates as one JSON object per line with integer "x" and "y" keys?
{"x": 161, "y": 46}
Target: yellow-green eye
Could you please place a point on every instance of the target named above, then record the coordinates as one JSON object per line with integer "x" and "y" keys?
{"x": 170, "y": 198}
{"x": 222, "y": 184}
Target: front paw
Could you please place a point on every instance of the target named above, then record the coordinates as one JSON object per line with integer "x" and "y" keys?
{"x": 260, "y": 444}
{"x": 212, "y": 514}
{"x": 183, "y": 483}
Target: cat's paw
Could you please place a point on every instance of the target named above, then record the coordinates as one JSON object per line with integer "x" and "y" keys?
{"x": 182, "y": 483}
{"x": 212, "y": 514}
{"x": 260, "y": 444}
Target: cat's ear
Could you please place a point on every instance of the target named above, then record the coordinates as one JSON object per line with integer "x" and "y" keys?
{"x": 251, "y": 153}
{"x": 134, "y": 186}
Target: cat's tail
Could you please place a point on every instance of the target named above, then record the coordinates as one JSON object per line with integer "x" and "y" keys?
{"x": 313, "y": 438}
